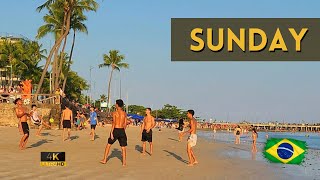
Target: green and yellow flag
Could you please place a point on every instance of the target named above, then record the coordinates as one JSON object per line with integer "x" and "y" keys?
{"x": 287, "y": 151}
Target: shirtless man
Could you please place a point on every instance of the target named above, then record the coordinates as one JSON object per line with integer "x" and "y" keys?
{"x": 119, "y": 124}
{"x": 23, "y": 117}
{"x": 66, "y": 118}
{"x": 237, "y": 133}
{"x": 146, "y": 131}
{"x": 192, "y": 140}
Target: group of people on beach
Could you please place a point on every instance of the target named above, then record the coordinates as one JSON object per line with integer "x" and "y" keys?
{"x": 237, "y": 133}
{"x": 117, "y": 133}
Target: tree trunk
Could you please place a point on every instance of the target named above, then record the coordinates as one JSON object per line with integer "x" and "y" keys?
{"x": 68, "y": 19}
{"x": 60, "y": 63}
{"x": 69, "y": 63}
{"x": 109, "y": 88}
{"x": 54, "y": 68}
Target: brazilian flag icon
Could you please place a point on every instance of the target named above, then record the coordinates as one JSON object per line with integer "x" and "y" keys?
{"x": 287, "y": 151}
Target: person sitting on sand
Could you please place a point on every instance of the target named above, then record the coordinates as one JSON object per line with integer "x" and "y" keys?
{"x": 23, "y": 118}
{"x": 192, "y": 139}
{"x": 37, "y": 120}
{"x": 146, "y": 131}
{"x": 118, "y": 132}
{"x": 66, "y": 118}
{"x": 254, "y": 140}
{"x": 237, "y": 133}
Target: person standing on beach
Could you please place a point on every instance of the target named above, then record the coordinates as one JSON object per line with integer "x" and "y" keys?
{"x": 119, "y": 124}
{"x": 192, "y": 139}
{"x": 93, "y": 122}
{"x": 237, "y": 133}
{"x": 146, "y": 131}
{"x": 23, "y": 117}
{"x": 66, "y": 119}
{"x": 37, "y": 119}
{"x": 254, "y": 140}
{"x": 180, "y": 129}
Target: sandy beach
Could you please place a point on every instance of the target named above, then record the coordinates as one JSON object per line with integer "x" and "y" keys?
{"x": 83, "y": 156}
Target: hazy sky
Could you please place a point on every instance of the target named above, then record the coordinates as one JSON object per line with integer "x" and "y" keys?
{"x": 256, "y": 91}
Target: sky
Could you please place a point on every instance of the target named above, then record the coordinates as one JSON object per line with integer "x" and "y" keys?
{"x": 232, "y": 91}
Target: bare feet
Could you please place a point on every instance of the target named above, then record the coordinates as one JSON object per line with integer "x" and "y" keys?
{"x": 124, "y": 165}
{"x": 103, "y": 162}
{"x": 190, "y": 164}
{"x": 91, "y": 139}
{"x": 196, "y": 162}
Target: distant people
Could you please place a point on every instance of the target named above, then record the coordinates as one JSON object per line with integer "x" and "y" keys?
{"x": 93, "y": 122}
{"x": 237, "y": 133}
{"x": 254, "y": 140}
{"x": 146, "y": 131}
{"x": 57, "y": 93}
{"x": 267, "y": 135}
{"x": 66, "y": 119}
{"x": 180, "y": 129}
{"x": 192, "y": 139}
{"x": 23, "y": 117}
{"x": 37, "y": 119}
{"x": 117, "y": 132}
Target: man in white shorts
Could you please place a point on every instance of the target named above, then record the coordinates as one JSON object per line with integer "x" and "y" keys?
{"x": 37, "y": 120}
{"x": 192, "y": 140}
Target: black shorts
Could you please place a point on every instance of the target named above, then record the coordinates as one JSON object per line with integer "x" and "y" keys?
{"x": 25, "y": 127}
{"x": 67, "y": 124}
{"x": 93, "y": 126}
{"x": 120, "y": 135}
{"x": 146, "y": 136}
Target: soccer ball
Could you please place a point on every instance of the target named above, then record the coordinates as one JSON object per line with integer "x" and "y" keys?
{"x": 26, "y": 101}
{"x": 51, "y": 120}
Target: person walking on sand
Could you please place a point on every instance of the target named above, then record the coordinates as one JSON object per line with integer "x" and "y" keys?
{"x": 23, "y": 118}
{"x": 66, "y": 118}
{"x": 146, "y": 131}
{"x": 254, "y": 140}
{"x": 93, "y": 122}
{"x": 119, "y": 124}
{"x": 192, "y": 139}
{"x": 37, "y": 119}
{"x": 237, "y": 133}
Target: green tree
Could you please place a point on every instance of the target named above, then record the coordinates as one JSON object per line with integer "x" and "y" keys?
{"x": 115, "y": 61}
{"x": 137, "y": 109}
{"x": 171, "y": 112}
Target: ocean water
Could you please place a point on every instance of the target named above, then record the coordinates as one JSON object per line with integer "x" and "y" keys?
{"x": 309, "y": 169}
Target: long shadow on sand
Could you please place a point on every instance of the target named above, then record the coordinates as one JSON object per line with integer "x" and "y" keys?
{"x": 179, "y": 158}
{"x": 73, "y": 138}
{"x": 115, "y": 153}
{"x": 173, "y": 139}
{"x": 138, "y": 148}
{"x": 39, "y": 143}
{"x": 47, "y": 134}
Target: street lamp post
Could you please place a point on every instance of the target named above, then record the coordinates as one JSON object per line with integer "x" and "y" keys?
{"x": 90, "y": 85}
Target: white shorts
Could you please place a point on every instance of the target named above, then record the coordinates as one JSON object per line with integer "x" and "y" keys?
{"x": 192, "y": 140}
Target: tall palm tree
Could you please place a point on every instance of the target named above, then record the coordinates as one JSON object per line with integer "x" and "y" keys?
{"x": 68, "y": 7}
{"x": 77, "y": 25}
{"x": 115, "y": 61}
{"x": 103, "y": 97}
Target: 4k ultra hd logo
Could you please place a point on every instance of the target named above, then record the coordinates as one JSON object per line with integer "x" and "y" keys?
{"x": 245, "y": 39}
{"x": 53, "y": 159}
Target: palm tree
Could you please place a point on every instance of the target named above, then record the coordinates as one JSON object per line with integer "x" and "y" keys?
{"x": 103, "y": 97}
{"x": 115, "y": 61}
{"x": 68, "y": 7}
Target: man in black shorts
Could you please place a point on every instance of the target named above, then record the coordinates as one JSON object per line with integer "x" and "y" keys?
{"x": 119, "y": 125}
{"x": 146, "y": 130}
{"x": 23, "y": 118}
{"x": 66, "y": 119}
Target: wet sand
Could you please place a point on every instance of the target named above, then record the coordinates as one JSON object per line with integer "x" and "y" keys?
{"x": 82, "y": 157}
